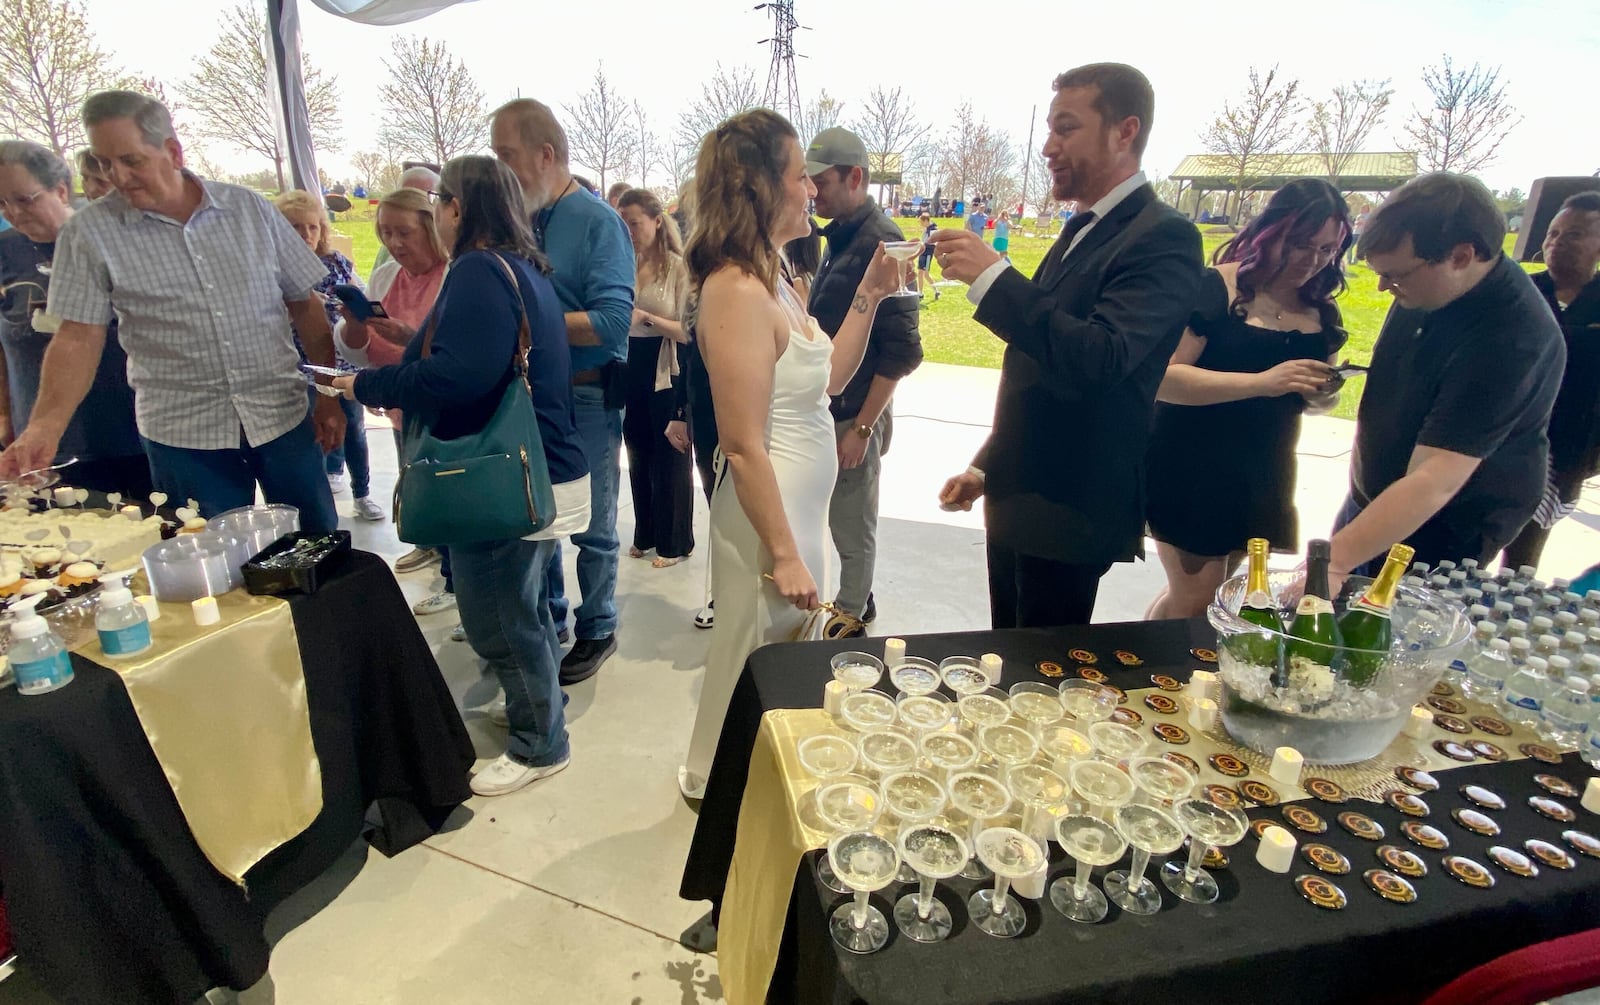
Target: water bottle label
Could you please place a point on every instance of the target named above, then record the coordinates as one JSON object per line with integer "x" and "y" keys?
{"x": 43, "y": 675}
{"x": 121, "y": 641}
{"x": 1526, "y": 701}
{"x": 1458, "y": 666}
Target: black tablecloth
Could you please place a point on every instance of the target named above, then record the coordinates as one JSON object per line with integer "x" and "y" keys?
{"x": 111, "y": 899}
{"x": 1260, "y": 942}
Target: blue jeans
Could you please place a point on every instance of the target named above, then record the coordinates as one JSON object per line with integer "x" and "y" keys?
{"x": 1347, "y": 513}
{"x": 506, "y": 613}
{"x": 600, "y": 433}
{"x": 289, "y": 468}
{"x": 353, "y": 452}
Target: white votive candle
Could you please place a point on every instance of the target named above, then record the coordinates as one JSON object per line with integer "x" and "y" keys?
{"x": 132, "y": 512}
{"x": 1286, "y": 765}
{"x": 64, "y": 496}
{"x": 1420, "y": 723}
{"x": 1032, "y": 885}
{"x": 894, "y": 651}
{"x": 1203, "y": 714}
{"x": 206, "y": 611}
{"x": 1200, "y": 683}
{"x": 1275, "y": 853}
{"x": 1591, "y": 796}
{"x": 991, "y": 663}
{"x": 833, "y": 694}
{"x": 152, "y": 610}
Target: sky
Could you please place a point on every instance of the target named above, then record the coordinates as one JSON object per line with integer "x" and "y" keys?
{"x": 1194, "y": 57}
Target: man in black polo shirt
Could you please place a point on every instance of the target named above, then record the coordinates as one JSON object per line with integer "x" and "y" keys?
{"x": 1572, "y": 289}
{"x": 1450, "y": 454}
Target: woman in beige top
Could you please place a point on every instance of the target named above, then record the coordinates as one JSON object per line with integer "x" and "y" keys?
{"x": 659, "y": 472}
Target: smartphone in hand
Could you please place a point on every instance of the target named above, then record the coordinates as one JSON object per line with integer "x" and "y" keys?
{"x": 1344, "y": 371}
{"x": 357, "y": 303}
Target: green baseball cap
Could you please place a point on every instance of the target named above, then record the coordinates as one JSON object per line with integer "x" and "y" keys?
{"x": 836, "y": 147}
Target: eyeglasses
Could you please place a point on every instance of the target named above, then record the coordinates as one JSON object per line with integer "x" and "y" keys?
{"x": 21, "y": 201}
{"x": 1400, "y": 277}
{"x": 439, "y": 196}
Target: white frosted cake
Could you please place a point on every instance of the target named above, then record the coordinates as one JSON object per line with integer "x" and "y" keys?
{"x": 115, "y": 540}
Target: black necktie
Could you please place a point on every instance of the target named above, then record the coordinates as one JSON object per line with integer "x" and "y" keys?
{"x": 1058, "y": 251}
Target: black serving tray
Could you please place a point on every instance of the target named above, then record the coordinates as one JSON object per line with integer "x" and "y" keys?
{"x": 262, "y": 581}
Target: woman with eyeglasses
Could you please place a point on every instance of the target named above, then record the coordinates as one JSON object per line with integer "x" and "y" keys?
{"x": 36, "y": 199}
{"x": 472, "y": 332}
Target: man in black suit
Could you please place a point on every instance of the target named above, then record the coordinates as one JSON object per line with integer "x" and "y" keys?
{"x": 1087, "y": 343}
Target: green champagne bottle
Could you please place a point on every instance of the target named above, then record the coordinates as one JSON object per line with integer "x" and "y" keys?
{"x": 1313, "y": 634}
{"x": 1258, "y": 608}
{"x": 1366, "y": 625}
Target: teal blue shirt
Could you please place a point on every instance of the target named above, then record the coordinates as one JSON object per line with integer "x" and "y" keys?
{"x": 591, "y": 254}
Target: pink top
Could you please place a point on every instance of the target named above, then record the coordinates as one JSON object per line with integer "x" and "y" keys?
{"x": 408, "y": 300}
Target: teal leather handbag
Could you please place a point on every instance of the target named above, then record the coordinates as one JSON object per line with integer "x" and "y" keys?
{"x": 492, "y": 485}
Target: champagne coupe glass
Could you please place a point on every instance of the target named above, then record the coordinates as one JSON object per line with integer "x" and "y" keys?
{"x": 1209, "y": 826}
{"x": 1037, "y": 704}
{"x": 1038, "y": 789}
{"x": 915, "y": 675}
{"x": 850, "y": 804}
{"x": 915, "y": 797}
{"x": 989, "y": 707}
{"x": 827, "y": 756}
{"x": 1091, "y": 842}
{"x": 1115, "y": 742}
{"x": 1011, "y": 855}
{"x": 1064, "y": 746}
{"x": 888, "y": 750}
{"x": 903, "y": 252}
{"x": 864, "y": 711}
{"x": 867, "y": 863}
{"x": 1161, "y": 782}
{"x": 948, "y": 753}
{"x": 934, "y": 852}
{"x": 926, "y": 713}
{"x": 1086, "y": 701}
{"x": 982, "y": 799}
{"x": 1105, "y": 787}
{"x": 856, "y": 671}
{"x": 1008, "y": 745}
{"x": 963, "y": 674}
{"x": 1149, "y": 830}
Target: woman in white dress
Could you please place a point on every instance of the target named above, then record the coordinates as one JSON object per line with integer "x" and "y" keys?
{"x": 772, "y": 369}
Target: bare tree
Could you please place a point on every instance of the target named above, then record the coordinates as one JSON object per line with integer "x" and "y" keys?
{"x": 978, "y": 160}
{"x": 823, "y": 112}
{"x": 678, "y": 157}
{"x": 1470, "y": 118}
{"x": 888, "y": 124}
{"x": 1341, "y": 123}
{"x": 1259, "y": 123}
{"x": 726, "y": 94}
{"x": 369, "y": 166}
{"x": 647, "y": 146}
{"x": 228, "y": 92}
{"x": 49, "y": 62}
{"x": 600, "y": 129}
{"x": 432, "y": 106}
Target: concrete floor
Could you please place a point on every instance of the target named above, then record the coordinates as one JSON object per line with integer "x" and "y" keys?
{"x": 570, "y": 887}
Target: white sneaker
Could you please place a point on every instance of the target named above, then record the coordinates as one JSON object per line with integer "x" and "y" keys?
{"x": 706, "y": 618}
{"x": 458, "y": 633}
{"x": 504, "y": 775}
{"x": 690, "y": 784}
{"x": 339, "y": 482}
{"x": 497, "y": 712}
{"x": 436, "y": 604}
{"x": 366, "y": 509}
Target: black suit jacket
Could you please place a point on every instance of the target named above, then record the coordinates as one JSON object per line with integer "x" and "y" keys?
{"x": 1087, "y": 344}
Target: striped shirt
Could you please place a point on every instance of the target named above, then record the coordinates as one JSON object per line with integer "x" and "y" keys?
{"x": 200, "y": 311}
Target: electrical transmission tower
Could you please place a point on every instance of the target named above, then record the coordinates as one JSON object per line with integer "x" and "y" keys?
{"x": 783, "y": 90}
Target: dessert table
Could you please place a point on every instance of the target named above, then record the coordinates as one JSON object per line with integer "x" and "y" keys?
{"x": 1262, "y": 941}
{"x": 109, "y": 894}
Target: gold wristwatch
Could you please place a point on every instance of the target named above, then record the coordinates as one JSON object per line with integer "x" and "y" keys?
{"x": 864, "y": 431}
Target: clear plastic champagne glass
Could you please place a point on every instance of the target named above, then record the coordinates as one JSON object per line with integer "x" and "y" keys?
{"x": 851, "y": 804}
{"x": 982, "y": 799}
{"x": 1008, "y": 745}
{"x": 926, "y": 713}
{"x": 868, "y": 710}
{"x": 1115, "y": 742}
{"x": 866, "y": 862}
{"x": 1064, "y": 746}
{"x": 948, "y": 753}
{"x": 915, "y": 675}
{"x": 1037, "y": 704}
{"x": 827, "y": 756}
{"x": 903, "y": 252}
{"x": 1011, "y": 855}
{"x": 989, "y": 707}
{"x": 915, "y": 797}
{"x": 1149, "y": 830}
{"x": 1209, "y": 826}
{"x": 856, "y": 671}
{"x": 963, "y": 674}
{"x": 1091, "y": 842}
{"x": 1038, "y": 789}
{"x": 1104, "y": 787}
{"x": 934, "y": 852}
{"x": 1086, "y": 702}
{"x": 1161, "y": 782}
{"x": 887, "y": 750}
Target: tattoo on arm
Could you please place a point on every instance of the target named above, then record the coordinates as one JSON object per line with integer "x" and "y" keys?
{"x": 859, "y": 304}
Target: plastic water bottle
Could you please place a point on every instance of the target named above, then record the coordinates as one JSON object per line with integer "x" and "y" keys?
{"x": 1521, "y": 649}
{"x": 1501, "y": 612}
{"x": 1478, "y": 613}
{"x": 1572, "y": 646}
{"x": 122, "y": 623}
{"x": 1470, "y": 567}
{"x": 37, "y": 657}
{"x": 1488, "y": 668}
{"x": 1525, "y": 692}
{"x": 1588, "y": 618}
{"x": 1567, "y": 712}
{"x": 1523, "y": 606}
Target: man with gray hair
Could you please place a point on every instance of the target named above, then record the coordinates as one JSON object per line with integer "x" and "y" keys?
{"x": 204, "y": 280}
{"x": 593, "y": 258}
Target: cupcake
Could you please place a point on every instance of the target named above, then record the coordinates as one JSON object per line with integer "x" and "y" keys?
{"x": 193, "y": 525}
{"x": 45, "y": 559}
{"x": 33, "y": 587}
{"x": 10, "y": 584}
{"x": 78, "y": 574}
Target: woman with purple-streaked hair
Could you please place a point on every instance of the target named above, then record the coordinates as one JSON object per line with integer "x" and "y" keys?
{"x": 1257, "y": 353}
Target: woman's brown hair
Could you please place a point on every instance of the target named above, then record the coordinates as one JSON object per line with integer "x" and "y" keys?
{"x": 667, "y": 242}
{"x": 738, "y": 190}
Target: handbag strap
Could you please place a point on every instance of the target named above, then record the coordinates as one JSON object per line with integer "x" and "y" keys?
{"x": 524, "y": 333}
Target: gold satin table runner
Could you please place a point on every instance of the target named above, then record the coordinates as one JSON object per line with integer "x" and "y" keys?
{"x": 772, "y": 836}
{"x": 225, "y": 710}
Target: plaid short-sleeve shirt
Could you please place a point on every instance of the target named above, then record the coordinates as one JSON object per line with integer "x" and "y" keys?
{"x": 200, "y": 307}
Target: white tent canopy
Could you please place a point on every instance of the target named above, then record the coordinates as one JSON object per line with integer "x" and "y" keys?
{"x": 385, "y": 12}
